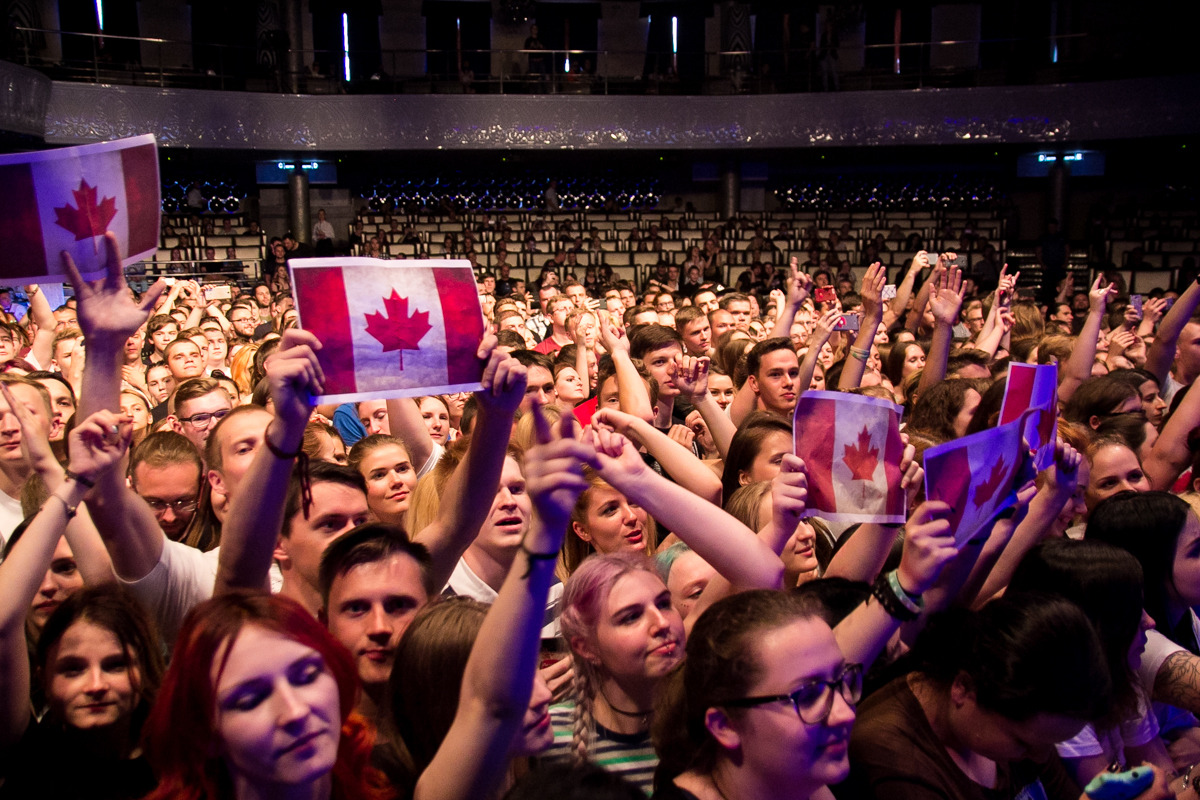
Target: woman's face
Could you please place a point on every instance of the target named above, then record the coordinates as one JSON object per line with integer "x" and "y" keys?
{"x": 61, "y": 581}
{"x": 390, "y": 480}
{"x": 92, "y": 680}
{"x": 1185, "y": 570}
{"x": 689, "y": 576}
{"x": 374, "y": 417}
{"x": 771, "y": 738}
{"x": 134, "y": 407}
{"x": 278, "y": 715}
{"x": 967, "y": 412}
{"x": 333, "y": 449}
{"x": 800, "y": 553}
{"x": 437, "y": 418}
{"x": 1114, "y": 468}
{"x": 569, "y": 387}
{"x": 765, "y": 465}
{"x": 536, "y": 733}
{"x": 639, "y": 634}
{"x": 1152, "y": 403}
{"x": 612, "y": 523}
{"x": 914, "y": 360}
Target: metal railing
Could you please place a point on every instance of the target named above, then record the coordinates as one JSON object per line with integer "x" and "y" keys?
{"x": 140, "y": 60}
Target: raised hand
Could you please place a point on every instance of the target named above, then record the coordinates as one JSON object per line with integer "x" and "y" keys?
{"x": 911, "y": 472}
{"x": 98, "y": 444}
{"x": 799, "y": 284}
{"x": 106, "y": 307}
{"x": 691, "y": 375}
{"x": 504, "y": 379}
{"x": 1099, "y": 295}
{"x": 294, "y": 375}
{"x": 928, "y": 546}
{"x": 681, "y": 435}
{"x": 1062, "y": 477}
{"x": 946, "y": 299}
{"x": 871, "y": 290}
{"x": 789, "y": 493}
{"x": 35, "y": 435}
{"x": 1153, "y": 309}
{"x": 611, "y": 335}
{"x": 554, "y": 472}
{"x": 823, "y": 328}
{"x": 920, "y": 261}
{"x": 619, "y": 460}
{"x": 946, "y": 259}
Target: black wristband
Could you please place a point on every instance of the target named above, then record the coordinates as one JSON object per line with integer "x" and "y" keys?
{"x": 88, "y": 482}
{"x": 275, "y": 451}
{"x": 536, "y": 557}
{"x": 881, "y": 590}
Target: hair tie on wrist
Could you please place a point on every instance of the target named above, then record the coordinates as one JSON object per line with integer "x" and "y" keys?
{"x": 535, "y": 557}
{"x": 88, "y": 482}
{"x": 306, "y": 498}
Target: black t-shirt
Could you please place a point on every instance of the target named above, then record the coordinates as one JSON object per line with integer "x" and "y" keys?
{"x": 48, "y": 764}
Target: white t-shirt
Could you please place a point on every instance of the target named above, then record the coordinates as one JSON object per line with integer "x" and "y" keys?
{"x": 10, "y": 517}
{"x": 183, "y": 578}
{"x": 465, "y": 583}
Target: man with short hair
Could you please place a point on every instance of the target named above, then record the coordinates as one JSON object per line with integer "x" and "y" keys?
{"x": 541, "y": 322}
{"x": 184, "y": 359}
{"x": 65, "y": 317}
{"x": 65, "y": 342}
{"x": 165, "y": 470}
{"x": 561, "y": 307}
{"x": 200, "y": 403}
{"x": 738, "y": 305}
{"x": 539, "y": 386}
{"x": 720, "y": 321}
{"x": 576, "y": 292}
{"x": 15, "y": 467}
{"x": 692, "y": 325}
{"x": 660, "y": 349}
{"x": 706, "y": 300}
{"x": 772, "y": 369}
{"x": 280, "y": 303}
{"x": 244, "y": 320}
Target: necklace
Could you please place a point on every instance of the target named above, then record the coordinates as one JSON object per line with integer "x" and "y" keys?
{"x": 642, "y": 716}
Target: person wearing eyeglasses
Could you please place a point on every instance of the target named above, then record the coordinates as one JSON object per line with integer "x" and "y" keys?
{"x": 200, "y": 403}
{"x": 165, "y": 471}
{"x": 763, "y": 707}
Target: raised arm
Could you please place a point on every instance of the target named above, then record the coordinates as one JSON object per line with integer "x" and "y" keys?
{"x": 871, "y": 290}
{"x": 40, "y": 313}
{"x": 108, "y": 316}
{"x": 631, "y": 390}
{"x": 913, "y": 323}
{"x": 945, "y": 301}
{"x": 928, "y": 548}
{"x": 729, "y": 546}
{"x": 799, "y": 286}
{"x": 680, "y": 462}
{"x": 1171, "y": 455}
{"x": 404, "y": 418}
{"x": 1162, "y": 352}
{"x": 24, "y": 569}
{"x": 692, "y": 379}
{"x": 895, "y": 309}
{"x": 1079, "y": 366}
{"x": 499, "y": 678}
{"x": 255, "y": 517}
{"x": 466, "y": 498}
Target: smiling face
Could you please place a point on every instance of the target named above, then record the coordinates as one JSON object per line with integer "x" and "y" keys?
{"x": 1114, "y": 468}
{"x": 611, "y": 523}
{"x": 93, "y": 680}
{"x": 278, "y": 715}
{"x": 390, "y": 480}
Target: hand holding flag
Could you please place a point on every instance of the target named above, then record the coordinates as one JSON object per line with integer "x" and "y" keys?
{"x": 1033, "y": 387}
{"x": 929, "y": 546}
{"x": 504, "y": 380}
{"x": 294, "y": 376}
{"x": 789, "y": 494}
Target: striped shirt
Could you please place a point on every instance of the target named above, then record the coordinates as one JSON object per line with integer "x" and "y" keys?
{"x": 631, "y": 756}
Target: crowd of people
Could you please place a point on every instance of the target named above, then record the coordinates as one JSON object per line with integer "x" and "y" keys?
{"x": 597, "y": 575}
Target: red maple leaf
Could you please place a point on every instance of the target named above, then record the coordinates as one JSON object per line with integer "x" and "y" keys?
{"x": 862, "y": 458}
{"x": 87, "y": 218}
{"x": 395, "y": 329}
{"x": 985, "y": 490}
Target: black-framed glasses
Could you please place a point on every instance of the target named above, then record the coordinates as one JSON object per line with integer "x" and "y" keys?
{"x": 200, "y": 420}
{"x": 813, "y": 700}
{"x": 184, "y": 505}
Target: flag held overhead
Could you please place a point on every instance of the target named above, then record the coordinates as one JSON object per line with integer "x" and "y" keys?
{"x": 852, "y": 450}
{"x": 1034, "y": 387}
{"x": 67, "y": 199}
{"x": 390, "y": 328}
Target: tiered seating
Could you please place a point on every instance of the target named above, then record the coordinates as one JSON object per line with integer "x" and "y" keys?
{"x": 1151, "y": 248}
{"x": 185, "y": 239}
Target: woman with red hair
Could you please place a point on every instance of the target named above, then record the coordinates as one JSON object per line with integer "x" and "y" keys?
{"x": 258, "y": 702}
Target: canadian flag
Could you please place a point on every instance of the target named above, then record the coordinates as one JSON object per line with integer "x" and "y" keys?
{"x": 852, "y": 449}
{"x": 976, "y": 476}
{"x": 1032, "y": 386}
{"x": 66, "y": 199}
{"x": 390, "y": 328}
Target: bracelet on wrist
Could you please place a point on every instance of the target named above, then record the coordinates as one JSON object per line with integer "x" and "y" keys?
{"x": 889, "y": 598}
{"x": 277, "y": 451}
{"x": 74, "y": 476}
{"x": 911, "y": 601}
{"x": 70, "y": 509}
{"x": 535, "y": 557}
